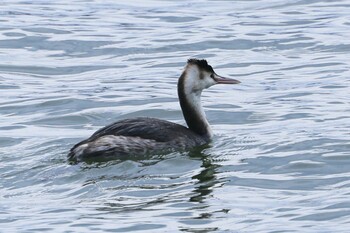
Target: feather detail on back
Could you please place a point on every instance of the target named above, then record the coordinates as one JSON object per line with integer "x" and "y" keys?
{"x": 136, "y": 136}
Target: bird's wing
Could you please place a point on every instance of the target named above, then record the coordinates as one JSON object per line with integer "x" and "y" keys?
{"x": 149, "y": 128}
{"x": 143, "y": 127}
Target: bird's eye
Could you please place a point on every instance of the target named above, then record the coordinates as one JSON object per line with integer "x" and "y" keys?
{"x": 212, "y": 76}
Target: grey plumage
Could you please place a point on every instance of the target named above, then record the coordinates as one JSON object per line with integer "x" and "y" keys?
{"x": 136, "y": 136}
{"x": 140, "y": 136}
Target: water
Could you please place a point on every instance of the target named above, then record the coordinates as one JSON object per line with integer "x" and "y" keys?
{"x": 280, "y": 158}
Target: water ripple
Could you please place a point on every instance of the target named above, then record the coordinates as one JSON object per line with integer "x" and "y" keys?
{"x": 280, "y": 156}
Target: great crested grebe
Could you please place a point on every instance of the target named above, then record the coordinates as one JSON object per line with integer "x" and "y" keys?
{"x": 143, "y": 135}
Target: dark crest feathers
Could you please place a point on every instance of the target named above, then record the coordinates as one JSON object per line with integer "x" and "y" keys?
{"x": 202, "y": 64}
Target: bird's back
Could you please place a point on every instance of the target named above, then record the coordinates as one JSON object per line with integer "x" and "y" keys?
{"x": 134, "y": 136}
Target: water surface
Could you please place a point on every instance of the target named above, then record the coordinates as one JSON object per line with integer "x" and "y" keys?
{"x": 280, "y": 158}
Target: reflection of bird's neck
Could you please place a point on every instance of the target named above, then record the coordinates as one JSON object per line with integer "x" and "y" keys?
{"x": 190, "y": 101}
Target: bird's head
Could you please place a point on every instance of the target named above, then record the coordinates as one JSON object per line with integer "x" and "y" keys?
{"x": 199, "y": 75}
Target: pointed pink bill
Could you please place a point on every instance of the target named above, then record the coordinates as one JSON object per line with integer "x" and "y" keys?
{"x": 223, "y": 80}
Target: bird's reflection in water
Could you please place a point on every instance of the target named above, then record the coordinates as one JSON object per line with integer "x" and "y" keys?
{"x": 207, "y": 177}
{"x": 147, "y": 187}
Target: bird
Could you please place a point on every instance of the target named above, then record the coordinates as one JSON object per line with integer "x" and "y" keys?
{"x": 143, "y": 135}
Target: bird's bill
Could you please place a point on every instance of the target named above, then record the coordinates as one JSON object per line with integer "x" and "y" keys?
{"x": 222, "y": 80}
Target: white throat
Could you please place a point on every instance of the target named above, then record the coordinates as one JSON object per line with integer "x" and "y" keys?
{"x": 190, "y": 90}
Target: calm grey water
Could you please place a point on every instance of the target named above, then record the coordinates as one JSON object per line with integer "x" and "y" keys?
{"x": 280, "y": 159}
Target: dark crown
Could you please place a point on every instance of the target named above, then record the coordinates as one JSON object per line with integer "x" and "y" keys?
{"x": 202, "y": 64}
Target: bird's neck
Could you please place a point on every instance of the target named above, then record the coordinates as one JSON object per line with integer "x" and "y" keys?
{"x": 192, "y": 110}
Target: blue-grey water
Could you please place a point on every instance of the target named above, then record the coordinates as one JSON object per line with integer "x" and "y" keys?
{"x": 280, "y": 158}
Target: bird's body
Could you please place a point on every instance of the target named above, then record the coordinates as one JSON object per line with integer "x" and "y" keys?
{"x": 136, "y": 136}
{"x": 144, "y": 135}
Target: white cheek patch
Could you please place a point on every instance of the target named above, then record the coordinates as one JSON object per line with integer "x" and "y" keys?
{"x": 196, "y": 84}
{"x": 209, "y": 81}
